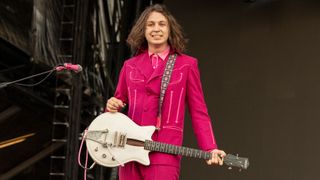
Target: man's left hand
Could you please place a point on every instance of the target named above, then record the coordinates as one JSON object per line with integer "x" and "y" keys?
{"x": 217, "y": 157}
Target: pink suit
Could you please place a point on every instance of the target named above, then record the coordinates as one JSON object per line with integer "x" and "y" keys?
{"x": 139, "y": 87}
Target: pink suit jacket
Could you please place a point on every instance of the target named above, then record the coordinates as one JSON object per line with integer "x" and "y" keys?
{"x": 139, "y": 87}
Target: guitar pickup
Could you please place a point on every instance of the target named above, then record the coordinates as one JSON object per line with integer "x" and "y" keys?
{"x": 120, "y": 140}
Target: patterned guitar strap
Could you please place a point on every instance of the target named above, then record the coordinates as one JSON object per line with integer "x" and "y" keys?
{"x": 164, "y": 84}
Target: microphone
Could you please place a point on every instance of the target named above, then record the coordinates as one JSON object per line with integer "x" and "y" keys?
{"x": 68, "y": 66}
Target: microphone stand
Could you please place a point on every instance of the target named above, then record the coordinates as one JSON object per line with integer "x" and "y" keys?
{"x": 5, "y": 84}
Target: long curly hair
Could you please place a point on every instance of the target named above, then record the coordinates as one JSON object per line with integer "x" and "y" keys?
{"x": 137, "y": 40}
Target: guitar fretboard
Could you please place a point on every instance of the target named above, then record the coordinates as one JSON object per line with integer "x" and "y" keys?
{"x": 177, "y": 150}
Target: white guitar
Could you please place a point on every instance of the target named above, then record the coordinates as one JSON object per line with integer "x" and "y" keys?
{"x": 113, "y": 139}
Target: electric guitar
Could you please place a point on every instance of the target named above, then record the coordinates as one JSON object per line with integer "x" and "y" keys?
{"x": 113, "y": 139}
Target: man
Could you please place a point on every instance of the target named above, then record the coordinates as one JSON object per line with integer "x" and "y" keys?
{"x": 156, "y": 36}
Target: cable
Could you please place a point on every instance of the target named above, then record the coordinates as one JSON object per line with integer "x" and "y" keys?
{"x": 35, "y": 84}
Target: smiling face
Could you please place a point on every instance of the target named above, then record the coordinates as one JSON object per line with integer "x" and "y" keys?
{"x": 157, "y": 31}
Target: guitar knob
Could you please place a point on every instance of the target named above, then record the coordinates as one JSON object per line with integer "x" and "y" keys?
{"x": 104, "y": 155}
{"x": 105, "y": 145}
{"x": 96, "y": 149}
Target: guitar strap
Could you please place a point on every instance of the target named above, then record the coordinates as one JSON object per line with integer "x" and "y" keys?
{"x": 164, "y": 84}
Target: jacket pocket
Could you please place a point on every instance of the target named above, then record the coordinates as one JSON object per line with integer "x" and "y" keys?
{"x": 136, "y": 77}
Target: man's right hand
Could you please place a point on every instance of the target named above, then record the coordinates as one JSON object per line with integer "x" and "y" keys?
{"x": 114, "y": 104}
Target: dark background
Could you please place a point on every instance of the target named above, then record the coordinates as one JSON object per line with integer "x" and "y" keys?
{"x": 259, "y": 66}
{"x": 259, "y": 69}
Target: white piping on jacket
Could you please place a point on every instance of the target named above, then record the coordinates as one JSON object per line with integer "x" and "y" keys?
{"x": 134, "y": 103}
{"x": 170, "y": 104}
{"x": 179, "y": 103}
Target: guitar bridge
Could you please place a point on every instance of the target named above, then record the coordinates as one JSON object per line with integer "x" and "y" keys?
{"x": 98, "y": 136}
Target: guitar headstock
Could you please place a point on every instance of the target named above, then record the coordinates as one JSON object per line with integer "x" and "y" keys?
{"x": 236, "y": 161}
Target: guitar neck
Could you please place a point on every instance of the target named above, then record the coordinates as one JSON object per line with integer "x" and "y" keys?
{"x": 177, "y": 150}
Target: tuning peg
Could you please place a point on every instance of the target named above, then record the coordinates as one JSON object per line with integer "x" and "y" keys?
{"x": 229, "y": 168}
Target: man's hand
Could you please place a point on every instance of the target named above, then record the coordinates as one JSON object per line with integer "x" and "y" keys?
{"x": 217, "y": 157}
{"x": 114, "y": 104}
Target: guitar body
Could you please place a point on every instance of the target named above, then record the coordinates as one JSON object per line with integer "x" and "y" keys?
{"x": 107, "y": 136}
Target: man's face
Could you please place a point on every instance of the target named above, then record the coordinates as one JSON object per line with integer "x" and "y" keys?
{"x": 157, "y": 30}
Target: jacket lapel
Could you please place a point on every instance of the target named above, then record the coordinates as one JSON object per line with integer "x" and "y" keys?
{"x": 143, "y": 64}
{"x": 158, "y": 71}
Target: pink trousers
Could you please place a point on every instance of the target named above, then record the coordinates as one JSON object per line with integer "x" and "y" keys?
{"x": 136, "y": 171}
